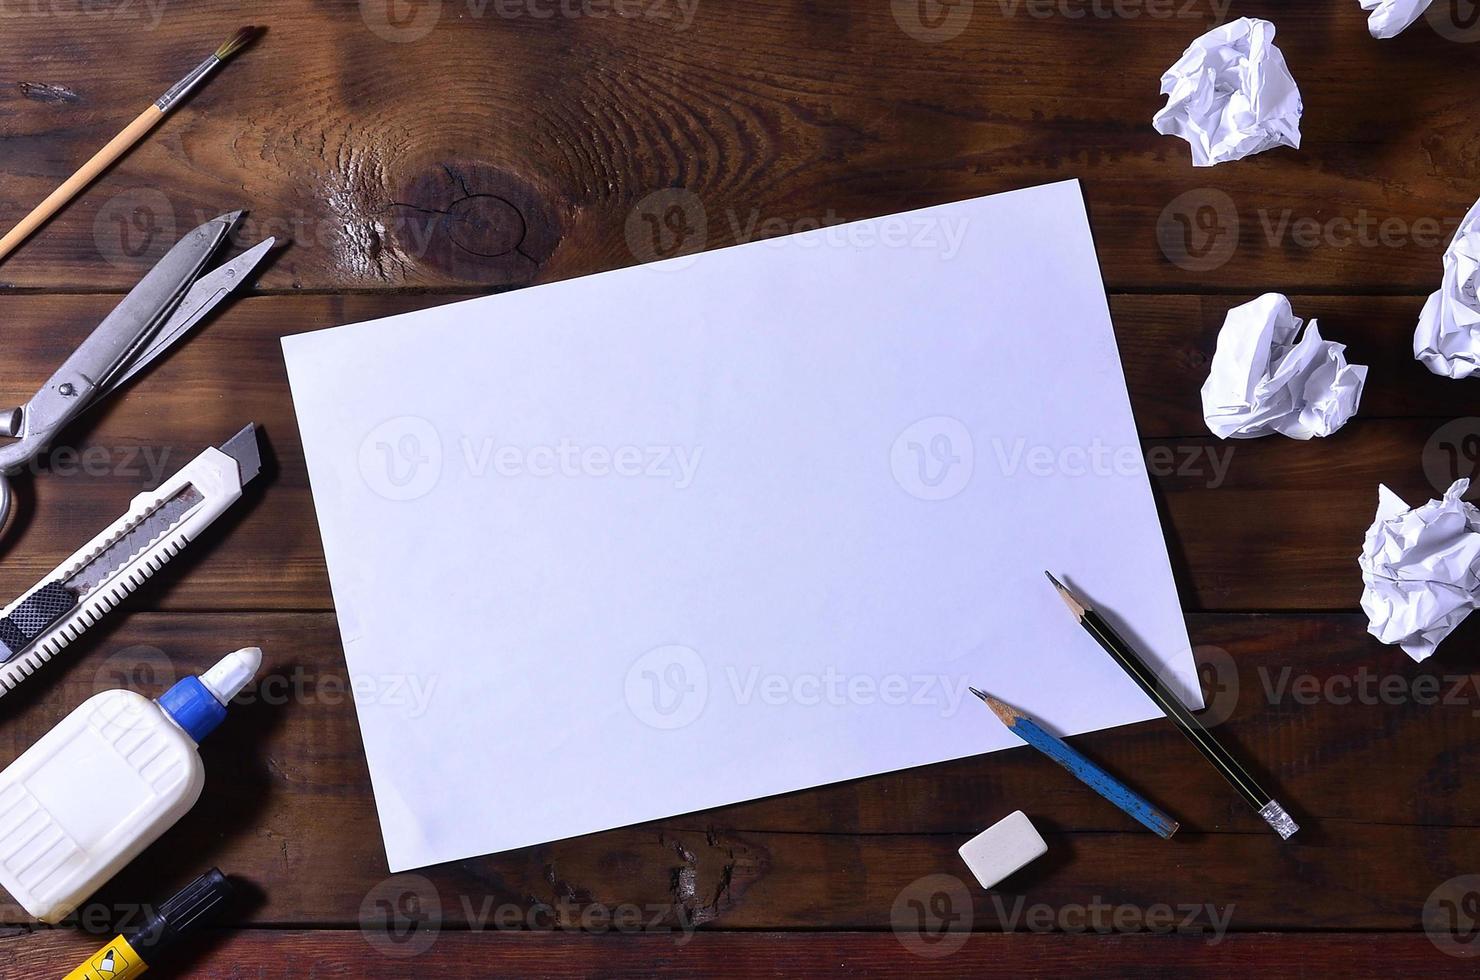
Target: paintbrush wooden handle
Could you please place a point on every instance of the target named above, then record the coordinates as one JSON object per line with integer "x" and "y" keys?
{"x": 85, "y": 175}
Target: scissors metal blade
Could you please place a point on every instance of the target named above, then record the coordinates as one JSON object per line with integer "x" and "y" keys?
{"x": 113, "y": 344}
{"x": 202, "y": 298}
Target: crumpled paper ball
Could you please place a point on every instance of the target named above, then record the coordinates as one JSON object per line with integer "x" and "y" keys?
{"x": 1391, "y": 17}
{"x": 1231, "y": 95}
{"x": 1447, "y": 340}
{"x": 1263, "y": 380}
{"x": 1421, "y": 569}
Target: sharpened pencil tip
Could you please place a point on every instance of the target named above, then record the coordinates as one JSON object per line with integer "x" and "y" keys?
{"x": 1075, "y": 604}
{"x": 1006, "y": 712}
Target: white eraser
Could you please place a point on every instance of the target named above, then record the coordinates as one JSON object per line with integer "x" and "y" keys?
{"x": 1003, "y": 848}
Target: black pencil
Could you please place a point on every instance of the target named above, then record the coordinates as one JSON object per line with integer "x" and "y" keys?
{"x": 1150, "y": 682}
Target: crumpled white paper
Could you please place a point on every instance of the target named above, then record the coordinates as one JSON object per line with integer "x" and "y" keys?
{"x": 1263, "y": 380}
{"x": 1231, "y": 95}
{"x": 1447, "y": 340}
{"x": 1390, "y": 17}
{"x": 1421, "y": 569}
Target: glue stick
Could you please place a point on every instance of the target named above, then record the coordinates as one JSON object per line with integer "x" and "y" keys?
{"x": 105, "y": 783}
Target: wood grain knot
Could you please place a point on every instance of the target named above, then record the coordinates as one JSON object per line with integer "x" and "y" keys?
{"x": 475, "y": 223}
{"x": 54, "y": 94}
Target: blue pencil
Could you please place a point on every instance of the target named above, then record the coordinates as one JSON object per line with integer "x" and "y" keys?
{"x": 1088, "y": 773}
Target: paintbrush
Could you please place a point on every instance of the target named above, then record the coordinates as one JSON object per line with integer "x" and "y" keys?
{"x": 1073, "y": 760}
{"x": 121, "y": 143}
{"x": 1149, "y": 681}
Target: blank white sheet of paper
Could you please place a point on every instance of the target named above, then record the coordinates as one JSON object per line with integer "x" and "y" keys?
{"x": 731, "y": 525}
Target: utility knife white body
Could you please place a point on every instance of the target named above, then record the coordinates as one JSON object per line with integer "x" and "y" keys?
{"x": 98, "y": 576}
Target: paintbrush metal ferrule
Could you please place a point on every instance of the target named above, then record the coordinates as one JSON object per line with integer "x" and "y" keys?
{"x": 203, "y": 70}
{"x": 187, "y": 84}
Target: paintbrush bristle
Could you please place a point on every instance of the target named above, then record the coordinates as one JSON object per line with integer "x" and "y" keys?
{"x": 237, "y": 41}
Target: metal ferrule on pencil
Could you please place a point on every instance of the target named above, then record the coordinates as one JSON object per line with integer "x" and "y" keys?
{"x": 1276, "y": 817}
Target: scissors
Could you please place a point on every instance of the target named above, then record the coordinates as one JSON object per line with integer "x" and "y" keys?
{"x": 171, "y": 298}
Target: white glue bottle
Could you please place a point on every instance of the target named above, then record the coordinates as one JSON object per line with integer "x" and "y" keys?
{"x": 105, "y": 783}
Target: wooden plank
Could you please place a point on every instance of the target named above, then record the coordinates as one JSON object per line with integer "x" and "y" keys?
{"x": 517, "y": 168}
{"x": 1226, "y": 504}
{"x": 534, "y": 155}
{"x": 1368, "y": 750}
{"x": 235, "y": 365}
{"x": 283, "y": 955}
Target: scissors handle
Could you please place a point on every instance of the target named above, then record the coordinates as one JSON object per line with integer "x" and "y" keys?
{"x": 5, "y": 498}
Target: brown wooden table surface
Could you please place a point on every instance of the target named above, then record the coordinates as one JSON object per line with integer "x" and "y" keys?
{"x": 417, "y": 151}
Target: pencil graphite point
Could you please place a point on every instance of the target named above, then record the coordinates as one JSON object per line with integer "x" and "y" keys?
{"x": 1076, "y": 606}
{"x": 1006, "y": 712}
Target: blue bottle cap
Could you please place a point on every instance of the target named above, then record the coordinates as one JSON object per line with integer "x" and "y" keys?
{"x": 193, "y": 707}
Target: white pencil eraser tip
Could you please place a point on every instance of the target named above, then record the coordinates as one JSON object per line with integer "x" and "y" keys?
{"x": 1003, "y": 848}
